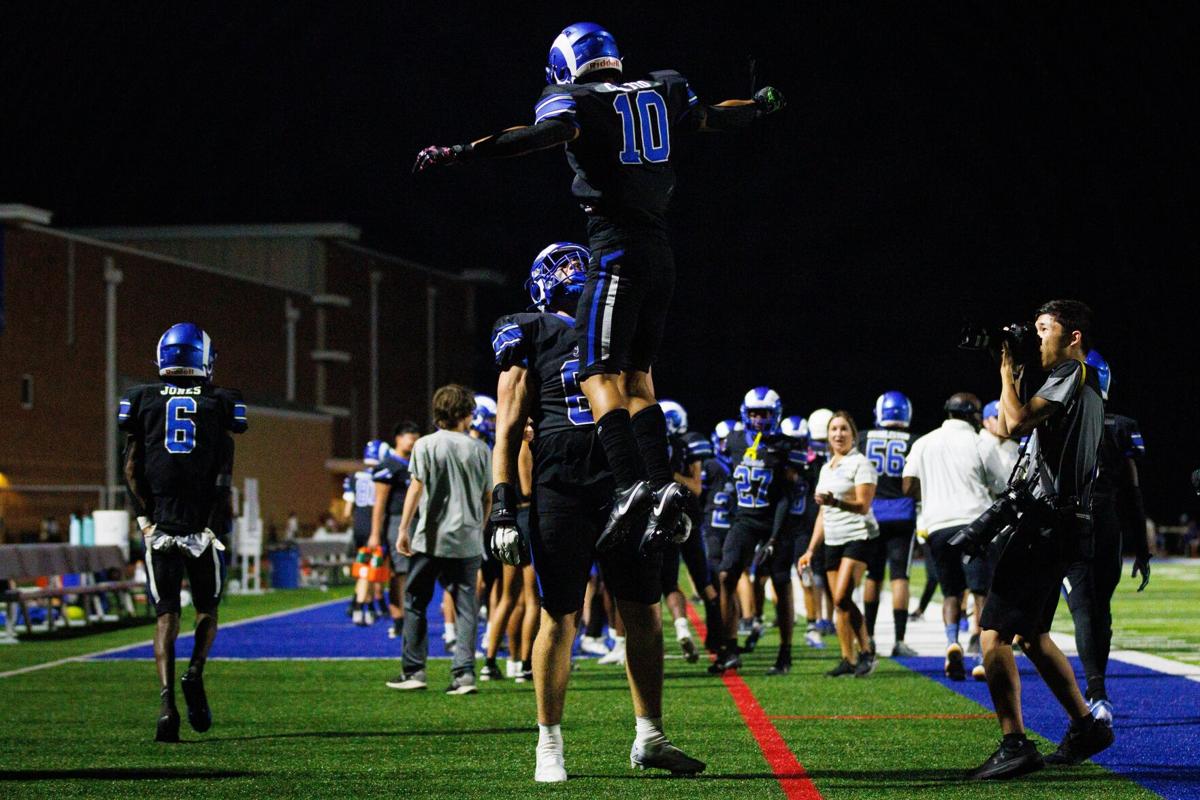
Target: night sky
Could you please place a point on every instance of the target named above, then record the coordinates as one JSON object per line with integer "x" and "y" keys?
{"x": 936, "y": 163}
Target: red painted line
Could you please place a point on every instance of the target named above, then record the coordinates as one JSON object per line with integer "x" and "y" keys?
{"x": 881, "y": 716}
{"x": 790, "y": 773}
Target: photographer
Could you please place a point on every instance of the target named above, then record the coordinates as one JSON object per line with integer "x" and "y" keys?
{"x": 1064, "y": 419}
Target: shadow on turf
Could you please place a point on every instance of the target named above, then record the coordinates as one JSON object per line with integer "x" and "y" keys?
{"x": 362, "y": 734}
{"x": 123, "y": 774}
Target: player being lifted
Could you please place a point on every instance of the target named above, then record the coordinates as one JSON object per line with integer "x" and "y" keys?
{"x": 178, "y": 470}
{"x": 618, "y": 138}
{"x": 538, "y": 359}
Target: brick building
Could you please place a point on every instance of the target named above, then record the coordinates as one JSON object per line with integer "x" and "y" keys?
{"x": 330, "y": 342}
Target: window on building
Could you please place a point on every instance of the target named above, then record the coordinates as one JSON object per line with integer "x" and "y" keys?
{"x": 27, "y": 391}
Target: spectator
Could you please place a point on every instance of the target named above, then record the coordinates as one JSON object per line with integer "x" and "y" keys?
{"x": 999, "y": 453}
{"x": 451, "y": 482}
{"x": 845, "y": 525}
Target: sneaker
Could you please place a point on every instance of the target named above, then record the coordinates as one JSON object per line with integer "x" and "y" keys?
{"x": 593, "y": 645}
{"x": 902, "y": 650}
{"x": 727, "y": 659}
{"x": 866, "y": 664}
{"x": 550, "y": 767}
{"x": 1102, "y": 712}
{"x": 756, "y": 632}
{"x": 628, "y": 513}
{"x": 1009, "y": 763}
{"x": 167, "y": 730}
{"x": 663, "y": 755}
{"x": 396, "y": 631}
{"x": 512, "y": 669}
{"x": 525, "y": 675}
{"x": 916, "y": 616}
{"x": 663, "y": 526}
{"x": 407, "y": 683}
{"x": 783, "y": 666}
{"x": 690, "y": 653}
{"x": 973, "y": 647}
{"x": 199, "y": 715}
{"x": 357, "y": 617}
{"x": 368, "y": 617}
{"x": 491, "y": 671}
{"x": 954, "y": 663}
{"x": 843, "y": 667}
{"x": 462, "y": 684}
{"x": 616, "y": 655}
{"x": 1078, "y": 745}
{"x": 978, "y": 672}
{"x": 813, "y": 639}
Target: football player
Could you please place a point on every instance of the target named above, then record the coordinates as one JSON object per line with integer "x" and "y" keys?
{"x": 766, "y": 468}
{"x": 538, "y": 357}
{"x": 618, "y": 135}
{"x": 178, "y": 471}
{"x": 483, "y": 424}
{"x": 801, "y": 516}
{"x": 818, "y": 448}
{"x": 391, "y": 479}
{"x": 886, "y": 446}
{"x": 1116, "y": 512}
{"x": 366, "y": 594}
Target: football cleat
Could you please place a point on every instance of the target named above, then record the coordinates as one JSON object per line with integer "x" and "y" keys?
{"x": 199, "y": 714}
{"x": 782, "y": 666}
{"x": 462, "y": 684}
{"x": 903, "y": 650}
{"x": 866, "y": 664}
{"x": 665, "y": 524}
{"x": 756, "y": 632}
{"x": 843, "y": 668}
{"x": 812, "y": 638}
{"x": 727, "y": 659}
{"x": 1102, "y": 712}
{"x": 616, "y": 655}
{"x": 1078, "y": 744}
{"x": 1009, "y": 763}
{"x": 408, "y": 683}
{"x": 491, "y": 671}
{"x": 628, "y": 512}
{"x": 954, "y": 663}
{"x": 168, "y": 726}
{"x": 593, "y": 645}
{"x": 663, "y": 755}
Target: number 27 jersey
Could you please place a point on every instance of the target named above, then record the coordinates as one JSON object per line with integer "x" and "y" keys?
{"x": 546, "y": 345}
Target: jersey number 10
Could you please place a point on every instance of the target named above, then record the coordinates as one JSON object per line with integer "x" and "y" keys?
{"x": 655, "y": 136}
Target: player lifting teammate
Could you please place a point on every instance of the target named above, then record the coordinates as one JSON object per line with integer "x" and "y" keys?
{"x": 618, "y": 138}
{"x": 178, "y": 470}
{"x": 538, "y": 358}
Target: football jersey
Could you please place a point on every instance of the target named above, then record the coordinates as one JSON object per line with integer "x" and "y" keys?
{"x": 759, "y": 473}
{"x": 182, "y": 429}
{"x": 1122, "y": 440}
{"x": 545, "y": 344}
{"x": 621, "y": 156}
{"x": 393, "y": 470}
{"x": 686, "y": 449}
{"x": 363, "y": 484}
{"x": 717, "y": 489}
{"x": 887, "y": 449}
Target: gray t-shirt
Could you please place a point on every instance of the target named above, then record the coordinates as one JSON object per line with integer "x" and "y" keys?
{"x": 1065, "y": 446}
{"x": 456, "y": 471}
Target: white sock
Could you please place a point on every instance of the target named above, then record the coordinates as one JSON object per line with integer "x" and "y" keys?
{"x": 550, "y": 736}
{"x": 648, "y": 730}
{"x": 682, "y": 631}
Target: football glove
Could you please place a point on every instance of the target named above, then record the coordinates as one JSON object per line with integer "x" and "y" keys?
{"x": 1142, "y": 566}
{"x": 505, "y": 540}
{"x": 437, "y": 156}
{"x": 769, "y": 100}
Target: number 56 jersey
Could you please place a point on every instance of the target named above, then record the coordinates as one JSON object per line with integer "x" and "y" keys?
{"x": 181, "y": 429}
{"x": 546, "y": 345}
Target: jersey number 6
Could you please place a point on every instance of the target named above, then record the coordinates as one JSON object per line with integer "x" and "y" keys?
{"x": 181, "y": 429}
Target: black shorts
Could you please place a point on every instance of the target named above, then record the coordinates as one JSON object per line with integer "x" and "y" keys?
{"x": 817, "y": 565}
{"x": 1090, "y": 582}
{"x": 858, "y": 550}
{"x": 954, "y": 576}
{"x": 622, "y": 312}
{"x": 205, "y": 573}
{"x": 714, "y": 543}
{"x": 737, "y": 551}
{"x": 1027, "y": 580}
{"x": 668, "y": 572}
{"x": 893, "y": 548}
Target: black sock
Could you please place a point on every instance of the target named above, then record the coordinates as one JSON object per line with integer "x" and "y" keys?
{"x": 650, "y": 428}
{"x": 1096, "y": 689}
{"x": 900, "y": 620}
{"x": 785, "y": 653}
{"x": 167, "y": 696}
{"x": 196, "y": 665}
{"x": 620, "y": 447}
{"x": 871, "y": 611}
{"x": 1013, "y": 741}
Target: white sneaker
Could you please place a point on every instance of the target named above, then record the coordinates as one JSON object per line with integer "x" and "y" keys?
{"x": 813, "y": 639}
{"x": 550, "y": 767}
{"x": 449, "y": 636}
{"x": 512, "y": 669}
{"x": 593, "y": 645}
{"x": 616, "y": 655}
{"x": 663, "y": 755}
{"x": 407, "y": 683}
{"x": 368, "y": 617}
{"x": 462, "y": 684}
{"x": 357, "y": 617}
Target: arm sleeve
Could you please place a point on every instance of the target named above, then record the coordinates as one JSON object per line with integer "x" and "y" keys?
{"x": 698, "y": 449}
{"x": 554, "y": 104}
{"x": 127, "y": 412}
{"x": 1130, "y": 439}
{"x": 510, "y": 343}
{"x": 234, "y": 410}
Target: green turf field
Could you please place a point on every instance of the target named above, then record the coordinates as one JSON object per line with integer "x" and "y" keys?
{"x": 331, "y": 729}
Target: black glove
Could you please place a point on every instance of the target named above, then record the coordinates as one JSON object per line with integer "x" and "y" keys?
{"x": 505, "y": 540}
{"x": 763, "y": 554}
{"x": 1141, "y": 564}
{"x": 769, "y": 100}
{"x": 436, "y": 156}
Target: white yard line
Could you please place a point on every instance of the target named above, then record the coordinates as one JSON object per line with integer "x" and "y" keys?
{"x": 124, "y": 647}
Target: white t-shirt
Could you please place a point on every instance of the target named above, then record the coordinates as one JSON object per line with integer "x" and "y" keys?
{"x": 843, "y": 526}
{"x": 956, "y": 482}
{"x": 999, "y": 455}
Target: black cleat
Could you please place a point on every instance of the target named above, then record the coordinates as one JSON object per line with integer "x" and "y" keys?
{"x": 756, "y": 632}
{"x": 1079, "y": 745}
{"x": 668, "y": 523}
{"x": 199, "y": 715}
{"x": 168, "y": 726}
{"x": 628, "y": 512}
{"x": 727, "y": 659}
{"x": 1008, "y": 763}
{"x": 844, "y": 667}
{"x": 782, "y": 667}
{"x": 866, "y": 664}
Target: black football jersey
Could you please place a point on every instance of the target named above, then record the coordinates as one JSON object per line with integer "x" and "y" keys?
{"x": 393, "y": 471}
{"x": 717, "y": 487}
{"x": 182, "y": 430}
{"x": 622, "y": 155}
{"x": 759, "y": 473}
{"x": 686, "y": 449}
{"x": 1122, "y": 440}
{"x": 887, "y": 450}
{"x": 545, "y": 344}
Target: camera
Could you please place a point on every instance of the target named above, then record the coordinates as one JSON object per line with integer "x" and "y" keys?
{"x": 998, "y": 520}
{"x": 1022, "y": 338}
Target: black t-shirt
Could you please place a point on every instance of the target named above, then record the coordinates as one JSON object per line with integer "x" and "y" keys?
{"x": 759, "y": 473}
{"x": 182, "y": 431}
{"x": 886, "y": 449}
{"x": 1065, "y": 445}
{"x": 717, "y": 487}
{"x": 393, "y": 471}
{"x": 622, "y": 155}
{"x": 545, "y": 344}
{"x": 1122, "y": 440}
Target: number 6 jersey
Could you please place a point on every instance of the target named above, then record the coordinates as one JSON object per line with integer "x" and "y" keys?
{"x": 546, "y": 345}
{"x": 181, "y": 431}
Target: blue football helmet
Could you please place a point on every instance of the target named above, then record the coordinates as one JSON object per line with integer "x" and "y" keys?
{"x": 762, "y": 398}
{"x": 676, "y": 417}
{"x": 483, "y": 420}
{"x": 991, "y": 410}
{"x": 375, "y": 451}
{"x": 893, "y": 410}
{"x": 1097, "y": 362}
{"x": 795, "y": 428}
{"x": 557, "y": 276}
{"x": 720, "y": 438}
{"x": 581, "y": 48}
{"x": 185, "y": 351}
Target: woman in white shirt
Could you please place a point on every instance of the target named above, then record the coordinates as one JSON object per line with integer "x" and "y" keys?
{"x": 844, "y": 492}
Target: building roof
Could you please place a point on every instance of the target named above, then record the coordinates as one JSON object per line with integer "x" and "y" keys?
{"x": 290, "y": 230}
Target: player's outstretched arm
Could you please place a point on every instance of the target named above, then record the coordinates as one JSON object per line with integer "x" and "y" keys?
{"x": 733, "y": 114}
{"x": 508, "y": 143}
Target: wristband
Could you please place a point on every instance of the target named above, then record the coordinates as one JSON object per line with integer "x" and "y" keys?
{"x": 504, "y": 495}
